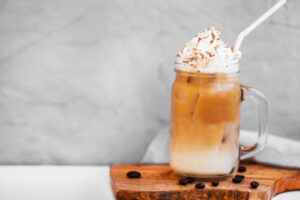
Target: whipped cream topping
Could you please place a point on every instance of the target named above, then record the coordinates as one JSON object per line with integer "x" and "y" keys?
{"x": 206, "y": 53}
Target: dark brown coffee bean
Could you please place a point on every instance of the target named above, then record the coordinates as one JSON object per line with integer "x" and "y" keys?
{"x": 254, "y": 184}
{"x": 133, "y": 174}
{"x": 215, "y": 183}
{"x": 183, "y": 181}
{"x": 239, "y": 176}
{"x": 190, "y": 179}
{"x": 242, "y": 169}
{"x": 236, "y": 180}
{"x": 200, "y": 186}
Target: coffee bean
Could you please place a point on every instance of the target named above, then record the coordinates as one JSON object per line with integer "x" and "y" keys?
{"x": 242, "y": 169}
{"x": 133, "y": 174}
{"x": 215, "y": 183}
{"x": 239, "y": 176}
{"x": 254, "y": 184}
{"x": 200, "y": 185}
{"x": 236, "y": 180}
{"x": 183, "y": 181}
{"x": 190, "y": 179}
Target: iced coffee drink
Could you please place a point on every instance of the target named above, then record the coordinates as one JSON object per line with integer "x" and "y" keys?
{"x": 205, "y": 113}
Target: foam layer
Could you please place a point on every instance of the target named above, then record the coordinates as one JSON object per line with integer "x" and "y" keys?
{"x": 204, "y": 162}
{"x": 206, "y": 53}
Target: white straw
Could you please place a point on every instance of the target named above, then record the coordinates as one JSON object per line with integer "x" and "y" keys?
{"x": 256, "y": 23}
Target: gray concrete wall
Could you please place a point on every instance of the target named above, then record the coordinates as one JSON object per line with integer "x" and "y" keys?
{"x": 88, "y": 82}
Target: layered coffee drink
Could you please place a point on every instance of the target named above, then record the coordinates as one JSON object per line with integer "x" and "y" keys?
{"x": 205, "y": 113}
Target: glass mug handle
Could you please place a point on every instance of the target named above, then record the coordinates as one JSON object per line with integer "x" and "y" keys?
{"x": 261, "y": 101}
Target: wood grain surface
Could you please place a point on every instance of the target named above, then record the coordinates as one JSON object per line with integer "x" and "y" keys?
{"x": 159, "y": 182}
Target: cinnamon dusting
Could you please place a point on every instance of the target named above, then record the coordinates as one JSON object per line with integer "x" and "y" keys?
{"x": 200, "y": 52}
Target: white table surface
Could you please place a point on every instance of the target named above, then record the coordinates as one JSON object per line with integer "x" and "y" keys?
{"x": 66, "y": 183}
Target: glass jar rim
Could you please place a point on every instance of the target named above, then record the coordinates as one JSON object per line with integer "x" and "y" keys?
{"x": 201, "y": 74}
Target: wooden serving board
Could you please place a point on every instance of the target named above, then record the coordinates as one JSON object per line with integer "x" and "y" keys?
{"x": 159, "y": 182}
